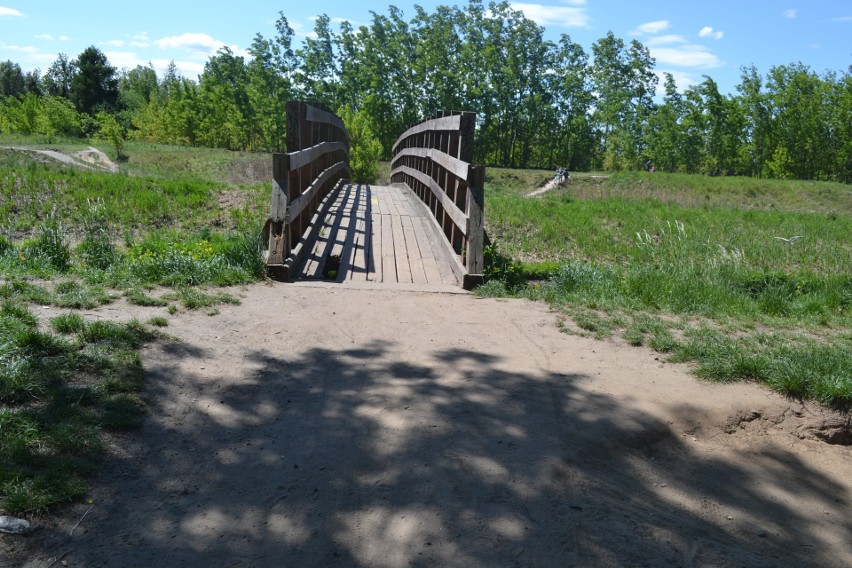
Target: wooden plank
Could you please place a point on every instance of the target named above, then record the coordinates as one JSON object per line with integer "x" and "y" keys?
{"x": 280, "y": 186}
{"x": 445, "y": 123}
{"x": 358, "y": 269}
{"x": 348, "y": 234}
{"x": 299, "y": 204}
{"x": 456, "y": 215}
{"x": 451, "y": 164}
{"x": 476, "y": 236}
{"x": 304, "y": 157}
{"x": 427, "y": 255}
{"x": 388, "y": 259}
{"x": 325, "y": 240}
{"x": 400, "y": 251}
{"x": 315, "y": 114}
{"x": 415, "y": 261}
{"x": 375, "y": 267}
{"x": 450, "y": 267}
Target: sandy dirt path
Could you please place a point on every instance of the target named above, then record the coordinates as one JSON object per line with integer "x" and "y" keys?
{"x": 91, "y": 159}
{"x": 328, "y": 426}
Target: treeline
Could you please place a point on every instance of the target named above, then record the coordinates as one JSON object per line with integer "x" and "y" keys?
{"x": 539, "y": 103}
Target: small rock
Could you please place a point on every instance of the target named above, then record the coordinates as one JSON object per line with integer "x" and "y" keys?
{"x": 12, "y": 525}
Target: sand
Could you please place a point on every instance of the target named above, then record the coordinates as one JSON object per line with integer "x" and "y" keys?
{"x": 324, "y": 425}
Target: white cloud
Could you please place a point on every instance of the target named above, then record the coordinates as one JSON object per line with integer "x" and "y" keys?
{"x": 665, "y": 40}
{"x": 790, "y": 14}
{"x": 573, "y": 16}
{"x": 707, "y": 31}
{"x": 652, "y": 27}
{"x": 689, "y": 55}
{"x": 4, "y": 11}
{"x": 129, "y": 60}
{"x": 30, "y": 57}
{"x": 842, "y": 19}
{"x": 140, "y": 40}
{"x": 114, "y": 43}
{"x": 201, "y": 45}
{"x": 49, "y": 37}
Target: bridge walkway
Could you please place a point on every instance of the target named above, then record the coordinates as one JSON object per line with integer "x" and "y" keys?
{"x": 377, "y": 235}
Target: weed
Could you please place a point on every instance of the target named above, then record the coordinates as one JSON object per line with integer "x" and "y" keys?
{"x": 139, "y": 298}
{"x": 68, "y": 323}
{"x": 96, "y": 249}
{"x": 193, "y": 299}
{"x": 49, "y": 249}
{"x": 158, "y": 321}
{"x": 71, "y": 294}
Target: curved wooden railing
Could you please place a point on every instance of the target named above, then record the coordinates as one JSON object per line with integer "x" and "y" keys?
{"x": 316, "y": 162}
{"x": 433, "y": 159}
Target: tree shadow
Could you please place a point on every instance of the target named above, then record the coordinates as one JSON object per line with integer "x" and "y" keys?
{"x": 359, "y": 458}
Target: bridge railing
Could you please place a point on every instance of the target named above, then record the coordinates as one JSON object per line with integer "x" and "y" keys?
{"x": 434, "y": 159}
{"x": 317, "y": 160}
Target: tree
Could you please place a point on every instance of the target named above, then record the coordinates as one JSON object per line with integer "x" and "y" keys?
{"x": 11, "y": 79}
{"x": 138, "y": 87}
{"x": 110, "y": 129}
{"x": 365, "y": 150}
{"x": 94, "y": 86}
{"x": 318, "y": 70}
{"x": 271, "y": 74}
{"x": 57, "y": 80}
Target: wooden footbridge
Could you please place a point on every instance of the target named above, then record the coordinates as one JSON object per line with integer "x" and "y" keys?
{"x": 425, "y": 229}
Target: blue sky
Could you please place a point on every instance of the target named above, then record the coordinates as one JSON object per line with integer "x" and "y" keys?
{"x": 688, "y": 39}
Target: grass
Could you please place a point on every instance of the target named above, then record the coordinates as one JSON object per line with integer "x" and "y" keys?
{"x": 75, "y": 239}
{"x": 60, "y": 389}
{"x": 688, "y": 265}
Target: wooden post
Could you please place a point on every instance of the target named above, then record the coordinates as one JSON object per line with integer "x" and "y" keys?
{"x": 279, "y": 234}
{"x": 475, "y": 258}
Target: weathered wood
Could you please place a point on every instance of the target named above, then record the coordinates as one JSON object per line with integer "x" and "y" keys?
{"x": 314, "y": 191}
{"x": 475, "y": 260}
{"x": 374, "y": 265}
{"x": 314, "y": 114}
{"x": 314, "y": 226}
{"x": 280, "y": 187}
{"x": 412, "y": 251}
{"x": 445, "y": 123}
{"x": 304, "y": 157}
{"x": 400, "y": 252}
{"x": 457, "y": 215}
{"x": 387, "y": 251}
{"x": 450, "y": 163}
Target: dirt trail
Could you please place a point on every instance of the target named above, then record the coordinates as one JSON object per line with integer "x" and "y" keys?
{"x": 92, "y": 159}
{"x": 328, "y": 426}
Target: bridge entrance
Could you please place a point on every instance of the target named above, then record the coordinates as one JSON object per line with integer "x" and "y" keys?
{"x": 424, "y": 229}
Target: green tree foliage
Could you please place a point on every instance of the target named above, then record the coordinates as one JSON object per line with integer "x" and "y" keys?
{"x": 365, "y": 149}
{"x": 110, "y": 129}
{"x": 94, "y": 85}
{"x": 57, "y": 80}
{"x": 11, "y": 79}
{"x": 538, "y": 103}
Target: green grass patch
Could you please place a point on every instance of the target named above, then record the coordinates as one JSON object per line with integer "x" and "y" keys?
{"x": 57, "y": 394}
{"x": 668, "y": 248}
{"x": 194, "y": 299}
{"x": 158, "y": 321}
{"x": 139, "y": 298}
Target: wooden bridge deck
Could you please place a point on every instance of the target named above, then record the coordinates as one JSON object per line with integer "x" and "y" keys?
{"x": 379, "y": 235}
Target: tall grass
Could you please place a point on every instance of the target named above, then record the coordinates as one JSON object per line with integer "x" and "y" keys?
{"x": 635, "y": 251}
